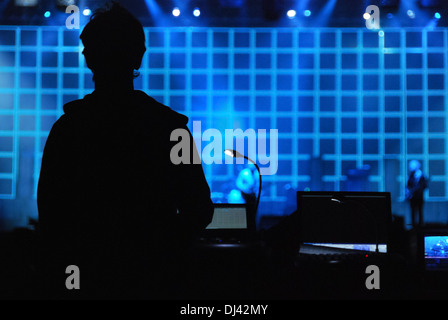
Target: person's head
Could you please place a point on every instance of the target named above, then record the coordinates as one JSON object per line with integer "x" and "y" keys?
{"x": 114, "y": 43}
{"x": 414, "y": 165}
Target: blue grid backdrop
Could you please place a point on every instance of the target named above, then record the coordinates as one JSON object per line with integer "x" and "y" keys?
{"x": 342, "y": 98}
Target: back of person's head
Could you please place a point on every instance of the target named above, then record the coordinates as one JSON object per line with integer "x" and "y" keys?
{"x": 114, "y": 42}
{"x": 414, "y": 165}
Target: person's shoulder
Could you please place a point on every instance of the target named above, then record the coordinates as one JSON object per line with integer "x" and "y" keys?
{"x": 71, "y": 111}
{"x": 76, "y": 106}
{"x": 160, "y": 111}
{"x": 146, "y": 106}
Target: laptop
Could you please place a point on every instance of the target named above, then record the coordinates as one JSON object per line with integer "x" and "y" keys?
{"x": 343, "y": 223}
{"x": 432, "y": 249}
{"x": 432, "y": 256}
{"x": 231, "y": 225}
{"x": 436, "y": 252}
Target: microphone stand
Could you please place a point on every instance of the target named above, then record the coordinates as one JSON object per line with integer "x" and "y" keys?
{"x": 236, "y": 154}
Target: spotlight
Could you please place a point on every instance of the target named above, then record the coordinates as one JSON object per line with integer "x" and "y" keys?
{"x": 176, "y": 12}
{"x": 26, "y": 3}
{"x": 307, "y": 13}
{"x": 291, "y": 14}
{"x": 86, "y": 12}
{"x": 65, "y": 3}
{"x": 437, "y": 15}
{"x": 381, "y": 33}
{"x": 366, "y": 16}
{"x": 196, "y": 12}
{"x": 47, "y": 14}
{"x": 411, "y": 14}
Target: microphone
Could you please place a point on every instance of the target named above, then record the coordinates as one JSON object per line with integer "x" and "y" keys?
{"x": 236, "y": 154}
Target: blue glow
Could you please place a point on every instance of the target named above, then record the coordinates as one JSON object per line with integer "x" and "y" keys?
{"x": 381, "y": 33}
{"x": 436, "y": 252}
{"x": 235, "y": 197}
{"x": 176, "y": 12}
{"x": 437, "y": 15}
{"x": 156, "y": 12}
{"x": 196, "y": 12}
{"x": 87, "y": 12}
{"x": 291, "y": 14}
{"x": 436, "y": 246}
{"x": 323, "y": 16}
{"x": 350, "y": 104}
{"x": 307, "y": 13}
{"x": 47, "y": 14}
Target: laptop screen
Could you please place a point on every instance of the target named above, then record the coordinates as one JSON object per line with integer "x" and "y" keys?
{"x": 345, "y": 220}
{"x": 228, "y": 217}
{"x": 436, "y": 252}
{"x": 353, "y": 246}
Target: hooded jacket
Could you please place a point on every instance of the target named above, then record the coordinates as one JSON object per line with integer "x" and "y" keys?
{"x": 109, "y": 196}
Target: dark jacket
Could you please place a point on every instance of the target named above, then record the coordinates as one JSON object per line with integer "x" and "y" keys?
{"x": 416, "y": 187}
{"x": 110, "y": 200}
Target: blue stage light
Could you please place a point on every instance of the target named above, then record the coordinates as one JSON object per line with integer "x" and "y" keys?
{"x": 437, "y": 15}
{"x": 307, "y": 13}
{"x": 291, "y": 14}
{"x": 47, "y": 14}
{"x": 87, "y": 12}
{"x": 196, "y": 12}
{"x": 176, "y": 12}
{"x": 235, "y": 196}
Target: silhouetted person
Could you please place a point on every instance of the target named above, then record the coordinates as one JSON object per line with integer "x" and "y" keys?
{"x": 110, "y": 200}
{"x": 416, "y": 185}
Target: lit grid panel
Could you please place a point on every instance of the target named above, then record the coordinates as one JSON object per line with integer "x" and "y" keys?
{"x": 341, "y": 98}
